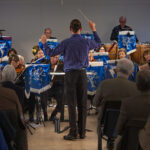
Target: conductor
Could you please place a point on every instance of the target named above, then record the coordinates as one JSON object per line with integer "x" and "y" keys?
{"x": 75, "y": 50}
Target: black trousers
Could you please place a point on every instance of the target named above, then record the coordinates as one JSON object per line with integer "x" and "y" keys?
{"x": 57, "y": 91}
{"x": 76, "y": 95}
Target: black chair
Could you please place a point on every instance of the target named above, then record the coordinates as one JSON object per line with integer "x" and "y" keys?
{"x": 109, "y": 120}
{"x": 130, "y": 139}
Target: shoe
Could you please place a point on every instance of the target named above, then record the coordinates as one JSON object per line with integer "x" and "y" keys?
{"x": 82, "y": 136}
{"x": 70, "y": 137}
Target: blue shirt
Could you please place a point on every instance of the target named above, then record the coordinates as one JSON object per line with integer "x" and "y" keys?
{"x": 75, "y": 50}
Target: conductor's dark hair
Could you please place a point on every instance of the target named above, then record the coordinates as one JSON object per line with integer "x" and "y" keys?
{"x": 12, "y": 50}
{"x": 143, "y": 80}
{"x": 75, "y": 25}
{"x": 13, "y": 57}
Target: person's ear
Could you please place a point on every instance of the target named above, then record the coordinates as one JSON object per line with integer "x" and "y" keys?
{"x": 80, "y": 29}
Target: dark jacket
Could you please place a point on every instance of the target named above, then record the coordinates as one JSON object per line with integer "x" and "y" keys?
{"x": 113, "y": 89}
{"x": 19, "y": 91}
{"x": 144, "y": 136}
{"x": 136, "y": 108}
{"x": 117, "y": 29}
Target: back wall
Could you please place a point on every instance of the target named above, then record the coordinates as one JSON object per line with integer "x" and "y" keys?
{"x": 25, "y": 20}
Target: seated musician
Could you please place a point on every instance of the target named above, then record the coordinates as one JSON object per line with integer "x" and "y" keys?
{"x": 40, "y": 56}
{"x": 43, "y": 96}
{"x": 21, "y": 65}
{"x": 121, "y": 27}
{"x": 101, "y": 49}
{"x": 11, "y": 52}
{"x": 13, "y": 60}
{"x": 57, "y": 89}
{"x": 146, "y": 57}
{"x": 121, "y": 53}
{"x": 91, "y": 58}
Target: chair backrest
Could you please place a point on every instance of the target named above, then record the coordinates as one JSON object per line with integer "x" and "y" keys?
{"x": 110, "y": 114}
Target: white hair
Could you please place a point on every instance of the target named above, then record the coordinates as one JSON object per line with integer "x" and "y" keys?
{"x": 125, "y": 66}
{"x": 9, "y": 73}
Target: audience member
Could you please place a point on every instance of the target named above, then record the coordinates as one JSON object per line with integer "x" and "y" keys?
{"x": 10, "y": 104}
{"x": 115, "y": 89}
{"x": 135, "y": 108}
{"x": 144, "y": 136}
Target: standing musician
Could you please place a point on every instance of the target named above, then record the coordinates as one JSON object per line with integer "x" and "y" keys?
{"x": 75, "y": 50}
{"x": 121, "y": 27}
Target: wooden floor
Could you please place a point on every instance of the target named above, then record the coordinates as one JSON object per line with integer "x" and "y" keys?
{"x": 44, "y": 138}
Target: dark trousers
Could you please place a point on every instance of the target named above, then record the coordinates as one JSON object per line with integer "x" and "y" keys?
{"x": 57, "y": 91}
{"x": 76, "y": 94}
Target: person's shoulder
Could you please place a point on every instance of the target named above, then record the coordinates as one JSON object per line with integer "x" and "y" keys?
{"x": 107, "y": 81}
{"x": 128, "y": 27}
{"x": 116, "y": 27}
{"x": 53, "y": 38}
{"x": 8, "y": 92}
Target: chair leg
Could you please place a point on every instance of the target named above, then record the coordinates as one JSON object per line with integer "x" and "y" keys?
{"x": 99, "y": 142}
{"x": 110, "y": 144}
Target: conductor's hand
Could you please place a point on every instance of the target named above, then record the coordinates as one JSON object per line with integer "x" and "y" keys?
{"x": 92, "y": 25}
{"x": 43, "y": 39}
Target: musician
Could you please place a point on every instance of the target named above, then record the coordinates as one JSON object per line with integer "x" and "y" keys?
{"x": 48, "y": 33}
{"x": 43, "y": 96}
{"x": 121, "y": 27}
{"x": 21, "y": 66}
{"x": 57, "y": 89}
{"x": 75, "y": 50}
{"x": 121, "y": 53}
{"x": 14, "y": 60}
{"x": 39, "y": 55}
{"x": 146, "y": 57}
{"x": 101, "y": 49}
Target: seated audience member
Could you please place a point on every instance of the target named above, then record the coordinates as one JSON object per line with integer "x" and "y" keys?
{"x": 146, "y": 57}
{"x": 10, "y": 104}
{"x": 144, "y": 136}
{"x": 57, "y": 89}
{"x": 8, "y": 77}
{"x": 133, "y": 109}
{"x": 115, "y": 89}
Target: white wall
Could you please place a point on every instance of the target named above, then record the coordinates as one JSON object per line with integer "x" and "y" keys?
{"x": 25, "y": 20}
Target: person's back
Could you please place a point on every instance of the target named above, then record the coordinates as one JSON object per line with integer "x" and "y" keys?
{"x": 117, "y": 89}
{"x": 135, "y": 110}
{"x": 9, "y": 100}
{"x": 78, "y": 56}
